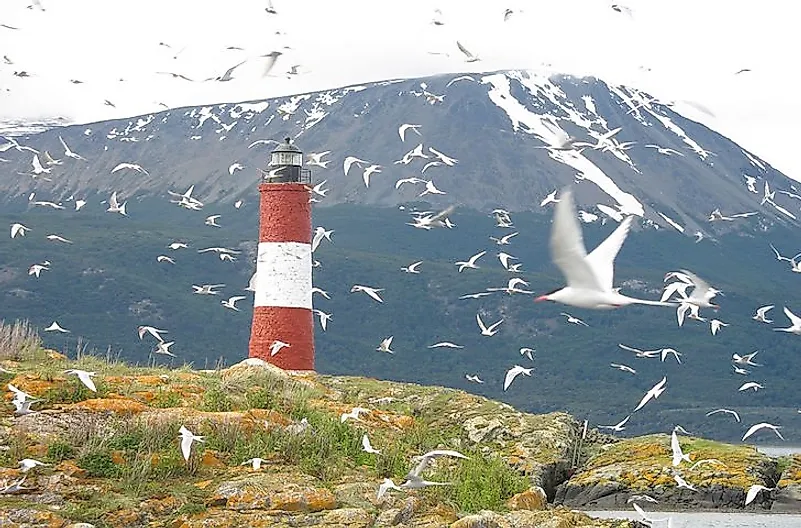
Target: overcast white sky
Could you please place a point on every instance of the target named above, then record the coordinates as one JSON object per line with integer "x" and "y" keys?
{"x": 678, "y": 49}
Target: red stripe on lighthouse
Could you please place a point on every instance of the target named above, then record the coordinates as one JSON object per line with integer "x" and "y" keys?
{"x": 282, "y": 301}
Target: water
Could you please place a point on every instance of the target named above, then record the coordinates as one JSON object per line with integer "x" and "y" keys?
{"x": 709, "y": 519}
{"x": 779, "y": 450}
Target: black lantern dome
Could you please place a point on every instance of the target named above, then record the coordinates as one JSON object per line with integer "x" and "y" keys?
{"x": 286, "y": 165}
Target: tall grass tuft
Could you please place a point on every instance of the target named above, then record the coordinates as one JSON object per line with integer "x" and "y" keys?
{"x": 18, "y": 340}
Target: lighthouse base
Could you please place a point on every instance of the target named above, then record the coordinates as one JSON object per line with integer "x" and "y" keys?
{"x": 294, "y": 326}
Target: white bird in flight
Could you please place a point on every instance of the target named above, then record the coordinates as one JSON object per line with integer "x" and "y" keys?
{"x": 514, "y": 372}
{"x": 212, "y": 220}
{"x": 367, "y": 447}
{"x": 795, "y": 323}
{"x": 277, "y": 346}
{"x": 114, "y": 205}
{"x": 469, "y": 56}
{"x": 18, "y": 230}
{"x": 761, "y": 314}
{"x": 187, "y": 438}
{"x": 757, "y": 427}
{"x": 55, "y": 327}
{"x": 319, "y": 233}
{"x": 412, "y": 268}
{"x": 490, "y": 330}
{"x": 406, "y": 126}
{"x": 590, "y": 277}
{"x": 624, "y": 368}
{"x": 69, "y": 153}
{"x": 727, "y": 411}
{"x": 385, "y": 345}
{"x": 131, "y": 166}
{"x": 155, "y": 332}
{"x": 369, "y": 171}
{"x": 230, "y": 303}
{"x": 652, "y": 394}
{"x": 372, "y": 292}
{"x": 445, "y": 344}
{"x": 574, "y": 320}
{"x": 85, "y": 377}
{"x": 471, "y": 262}
{"x": 746, "y": 359}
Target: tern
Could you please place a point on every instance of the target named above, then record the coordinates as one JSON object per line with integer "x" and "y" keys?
{"x": 350, "y": 160}
{"x": 471, "y": 262}
{"x": 413, "y": 477}
{"x": 231, "y": 302}
{"x": 641, "y": 353}
{"x": 514, "y": 372}
{"x": 324, "y": 318}
{"x": 131, "y": 166}
{"x": 155, "y": 332}
{"x": 385, "y": 344}
{"x": 212, "y": 220}
{"x": 681, "y": 483}
{"x": 589, "y": 277}
{"x": 445, "y": 344}
{"x": 367, "y": 447}
{"x": 430, "y": 189}
{"x": 675, "y": 447}
{"x": 234, "y": 167}
{"x": 474, "y": 379}
{"x": 551, "y": 198}
{"x": 702, "y": 293}
{"x": 277, "y": 346}
{"x": 528, "y": 352}
{"x": 165, "y": 258}
{"x": 746, "y": 359}
{"x": 85, "y": 377}
{"x": 207, "y": 289}
{"x": 727, "y": 411}
{"x": 618, "y": 427}
{"x": 36, "y": 269}
{"x": 320, "y": 233}
{"x": 653, "y": 393}
{"x": 372, "y": 292}
{"x": 750, "y": 385}
{"x": 753, "y": 491}
{"x": 57, "y": 238}
{"x": 756, "y": 427}
{"x": 255, "y": 463}
{"x": 715, "y": 325}
{"x": 372, "y": 169}
{"x": 164, "y": 348}
{"x": 18, "y": 230}
{"x": 27, "y": 464}
{"x": 490, "y": 330}
{"x": 624, "y": 368}
{"x": 55, "y": 327}
{"x": 406, "y": 126}
{"x": 412, "y": 268}
{"x": 315, "y": 159}
{"x": 187, "y": 437}
{"x": 469, "y": 56}
{"x": 574, "y": 320}
{"x": 318, "y": 189}
{"x": 114, "y": 205}
{"x": 761, "y": 314}
{"x": 503, "y": 240}
{"x": 795, "y": 323}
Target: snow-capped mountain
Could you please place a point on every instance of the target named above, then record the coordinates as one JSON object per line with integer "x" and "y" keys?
{"x": 481, "y": 140}
{"x": 80, "y": 61}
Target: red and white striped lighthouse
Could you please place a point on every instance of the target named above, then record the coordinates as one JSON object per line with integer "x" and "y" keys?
{"x": 283, "y": 326}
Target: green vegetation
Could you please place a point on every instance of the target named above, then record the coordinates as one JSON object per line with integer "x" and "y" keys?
{"x": 126, "y": 441}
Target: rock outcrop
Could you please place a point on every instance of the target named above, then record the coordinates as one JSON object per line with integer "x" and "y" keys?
{"x": 112, "y": 457}
{"x": 719, "y": 473}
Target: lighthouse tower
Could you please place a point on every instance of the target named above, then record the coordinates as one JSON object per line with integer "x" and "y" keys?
{"x": 283, "y": 326}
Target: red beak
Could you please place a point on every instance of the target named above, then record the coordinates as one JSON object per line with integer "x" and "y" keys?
{"x": 541, "y": 298}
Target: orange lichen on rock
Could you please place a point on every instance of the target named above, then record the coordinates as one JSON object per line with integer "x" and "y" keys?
{"x": 116, "y": 405}
{"x": 211, "y": 459}
{"x": 141, "y": 380}
{"x": 32, "y": 384}
{"x": 70, "y": 469}
{"x": 124, "y": 518}
{"x": 54, "y": 354}
{"x": 313, "y": 500}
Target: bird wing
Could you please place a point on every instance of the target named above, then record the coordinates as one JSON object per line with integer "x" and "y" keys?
{"x": 701, "y": 290}
{"x": 511, "y": 374}
{"x": 794, "y": 319}
{"x": 464, "y": 50}
{"x": 602, "y": 258}
{"x": 481, "y": 323}
{"x": 567, "y": 246}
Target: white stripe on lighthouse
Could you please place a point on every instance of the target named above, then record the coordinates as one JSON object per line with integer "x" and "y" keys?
{"x": 284, "y": 275}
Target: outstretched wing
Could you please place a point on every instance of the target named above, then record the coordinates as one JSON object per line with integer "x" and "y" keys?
{"x": 602, "y": 258}
{"x": 567, "y": 245}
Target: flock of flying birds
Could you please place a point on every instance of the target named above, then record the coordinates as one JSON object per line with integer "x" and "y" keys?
{"x": 589, "y": 281}
{"x": 589, "y": 276}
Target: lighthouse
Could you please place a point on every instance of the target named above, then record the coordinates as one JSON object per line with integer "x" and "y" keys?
{"x": 282, "y": 332}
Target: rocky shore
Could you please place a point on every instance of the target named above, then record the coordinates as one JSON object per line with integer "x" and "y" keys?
{"x": 112, "y": 457}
